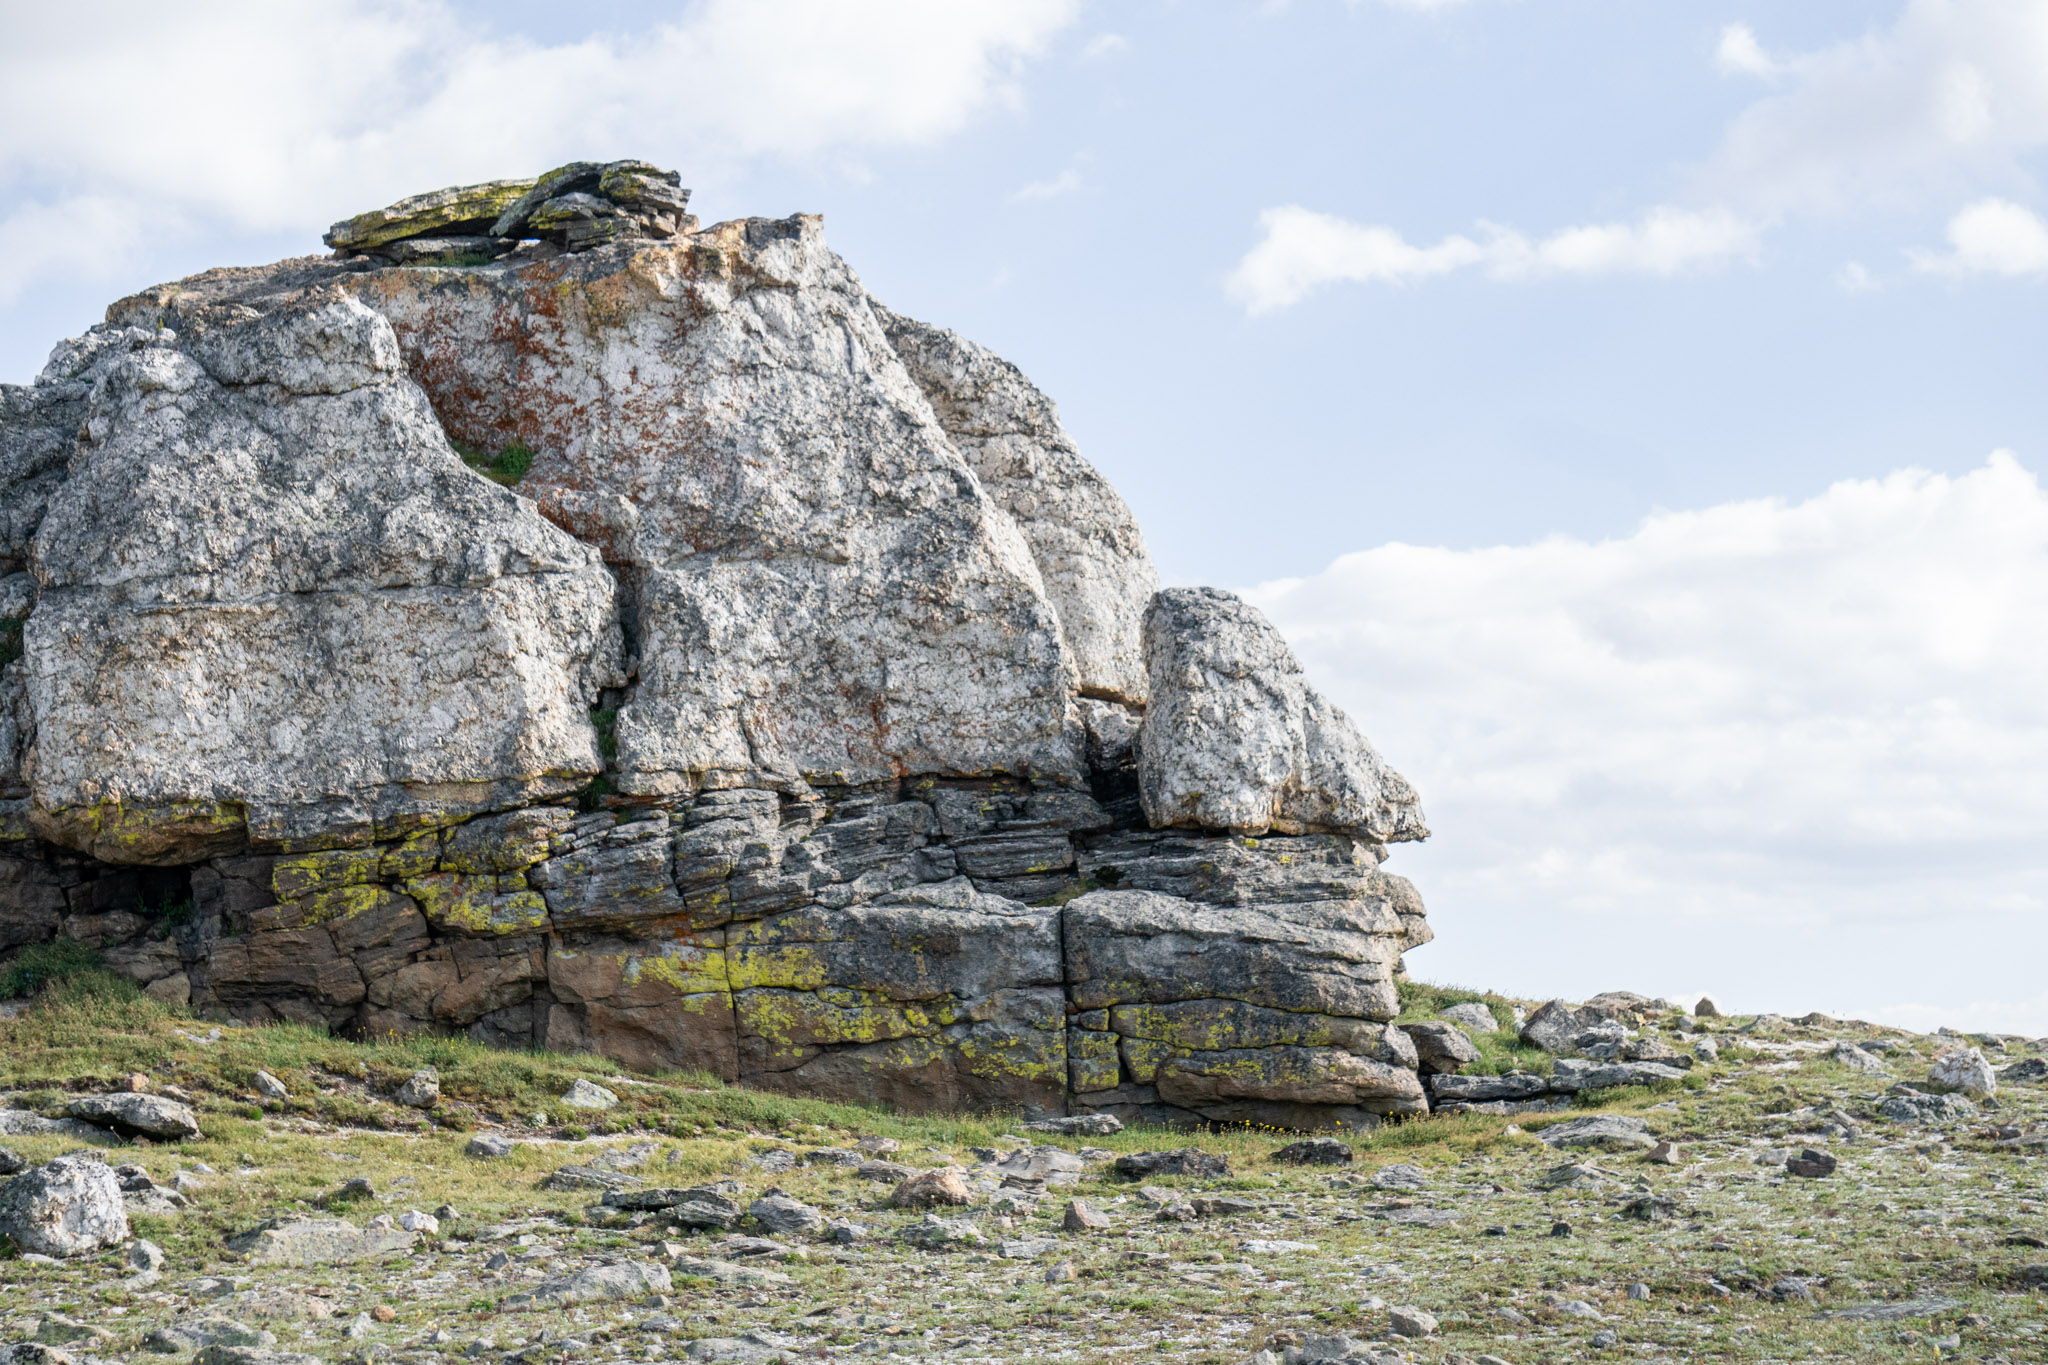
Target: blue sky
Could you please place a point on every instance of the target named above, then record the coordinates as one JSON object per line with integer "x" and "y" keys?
{"x": 1629, "y": 315}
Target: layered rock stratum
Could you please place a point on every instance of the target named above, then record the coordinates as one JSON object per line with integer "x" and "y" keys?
{"x": 805, "y": 710}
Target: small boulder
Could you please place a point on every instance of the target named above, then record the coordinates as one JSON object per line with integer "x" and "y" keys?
{"x": 318, "y": 1241}
{"x": 1613, "y": 1132}
{"x": 1181, "y": 1161}
{"x": 1473, "y": 1017}
{"x": 933, "y": 1233}
{"x": 2031, "y": 1071}
{"x": 1663, "y": 1154}
{"x": 590, "y": 1178}
{"x": 11, "y": 1162}
{"x": 268, "y": 1086}
{"x": 1440, "y": 1046}
{"x": 145, "y": 1255}
{"x": 348, "y": 1192}
{"x": 137, "y": 1115}
{"x": 1400, "y": 1176}
{"x": 627, "y": 1280}
{"x": 1078, "y": 1125}
{"x": 931, "y": 1188}
{"x": 425, "y": 1224}
{"x": 777, "y": 1212}
{"x": 587, "y": 1095}
{"x": 422, "y": 1090}
{"x": 1964, "y": 1070}
{"x": 490, "y": 1145}
{"x": 887, "y": 1172}
{"x": 1911, "y": 1106}
{"x": 1323, "y": 1151}
{"x": 1706, "y": 1008}
{"x": 1856, "y": 1059}
{"x": 1411, "y": 1322}
{"x": 1082, "y": 1216}
{"x": 1554, "y": 1027}
{"x": 1810, "y": 1164}
{"x": 67, "y": 1207}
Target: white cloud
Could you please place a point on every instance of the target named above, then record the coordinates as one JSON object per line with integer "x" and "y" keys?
{"x": 1774, "y": 750}
{"x": 1104, "y": 45}
{"x": 1066, "y": 182}
{"x": 331, "y": 109}
{"x": 1739, "y": 54}
{"x": 1302, "y": 251}
{"x": 1855, "y": 278}
{"x": 1952, "y": 95}
{"x": 1991, "y": 237}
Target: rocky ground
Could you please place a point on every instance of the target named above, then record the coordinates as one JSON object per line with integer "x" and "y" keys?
{"x": 1785, "y": 1200}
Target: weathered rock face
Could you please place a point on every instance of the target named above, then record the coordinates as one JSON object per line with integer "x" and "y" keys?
{"x": 822, "y": 588}
{"x": 1235, "y": 737}
{"x": 274, "y": 605}
{"x": 1085, "y": 541}
{"x": 795, "y": 729}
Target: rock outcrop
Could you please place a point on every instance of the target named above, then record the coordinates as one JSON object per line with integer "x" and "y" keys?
{"x": 805, "y": 710}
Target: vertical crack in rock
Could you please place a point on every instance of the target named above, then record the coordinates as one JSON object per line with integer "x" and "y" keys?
{"x": 816, "y": 724}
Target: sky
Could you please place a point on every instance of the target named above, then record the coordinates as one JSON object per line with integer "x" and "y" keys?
{"x": 1630, "y": 412}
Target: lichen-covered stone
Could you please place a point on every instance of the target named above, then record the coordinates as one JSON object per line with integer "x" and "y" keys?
{"x": 939, "y": 991}
{"x": 464, "y": 210}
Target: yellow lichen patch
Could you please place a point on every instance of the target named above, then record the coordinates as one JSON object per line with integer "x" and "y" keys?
{"x": 426, "y": 212}
{"x": 1093, "y": 1058}
{"x": 322, "y": 907}
{"x": 306, "y": 873}
{"x": 476, "y": 905}
{"x": 160, "y": 834}
{"x": 786, "y": 966}
{"x": 694, "y": 973}
{"x": 1142, "y": 1058}
{"x": 1034, "y": 1055}
{"x": 792, "y": 1019}
{"x": 415, "y": 857}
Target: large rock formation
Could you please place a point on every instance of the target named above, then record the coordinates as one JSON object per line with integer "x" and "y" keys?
{"x": 806, "y": 712}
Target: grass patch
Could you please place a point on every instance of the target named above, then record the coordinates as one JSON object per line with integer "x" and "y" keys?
{"x": 1500, "y": 1052}
{"x": 39, "y": 964}
{"x": 507, "y": 467}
